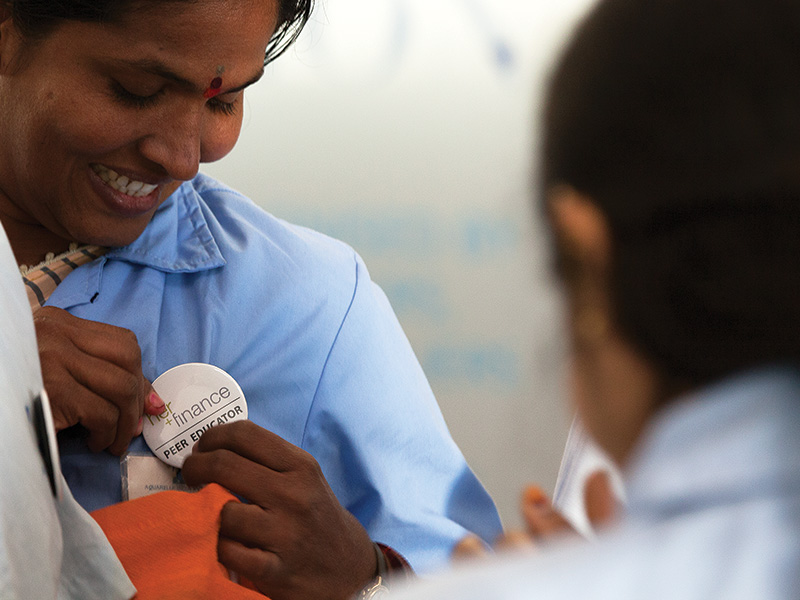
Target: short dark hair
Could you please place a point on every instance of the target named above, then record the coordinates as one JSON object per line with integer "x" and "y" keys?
{"x": 36, "y": 18}
{"x": 681, "y": 120}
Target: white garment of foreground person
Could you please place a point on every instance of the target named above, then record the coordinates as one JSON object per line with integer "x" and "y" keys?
{"x": 49, "y": 548}
{"x": 714, "y": 507}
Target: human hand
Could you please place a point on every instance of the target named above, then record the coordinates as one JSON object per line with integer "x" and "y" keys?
{"x": 93, "y": 376}
{"x": 543, "y": 522}
{"x": 293, "y": 540}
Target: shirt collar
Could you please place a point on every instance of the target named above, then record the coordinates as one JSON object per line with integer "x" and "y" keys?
{"x": 177, "y": 239}
{"x": 733, "y": 439}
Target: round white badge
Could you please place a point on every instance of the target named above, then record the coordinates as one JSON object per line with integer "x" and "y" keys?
{"x": 197, "y": 397}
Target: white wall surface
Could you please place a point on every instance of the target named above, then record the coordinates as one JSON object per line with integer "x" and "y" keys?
{"x": 407, "y": 129}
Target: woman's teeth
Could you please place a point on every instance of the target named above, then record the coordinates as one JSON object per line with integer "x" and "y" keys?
{"x": 123, "y": 184}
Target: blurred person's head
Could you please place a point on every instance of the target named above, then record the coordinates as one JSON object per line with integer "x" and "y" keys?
{"x": 672, "y": 179}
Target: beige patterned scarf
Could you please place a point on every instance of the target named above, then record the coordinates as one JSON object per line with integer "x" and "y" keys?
{"x": 41, "y": 280}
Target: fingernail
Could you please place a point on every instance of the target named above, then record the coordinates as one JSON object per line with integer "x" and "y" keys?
{"x": 155, "y": 401}
{"x": 535, "y": 496}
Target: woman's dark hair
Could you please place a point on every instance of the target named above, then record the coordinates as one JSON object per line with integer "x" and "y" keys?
{"x": 36, "y": 18}
{"x": 681, "y": 120}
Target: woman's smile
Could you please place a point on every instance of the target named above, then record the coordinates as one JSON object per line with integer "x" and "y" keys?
{"x": 130, "y": 187}
{"x": 124, "y": 196}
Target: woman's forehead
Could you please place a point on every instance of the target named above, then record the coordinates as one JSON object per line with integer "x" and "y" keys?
{"x": 204, "y": 24}
{"x": 188, "y": 39}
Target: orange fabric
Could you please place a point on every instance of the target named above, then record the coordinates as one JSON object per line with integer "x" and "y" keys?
{"x": 167, "y": 543}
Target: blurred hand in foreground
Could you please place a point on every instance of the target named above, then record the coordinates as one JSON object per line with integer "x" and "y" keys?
{"x": 544, "y": 523}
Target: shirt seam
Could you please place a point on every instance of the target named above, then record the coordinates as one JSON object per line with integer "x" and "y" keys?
{"x": 327, "y": 358}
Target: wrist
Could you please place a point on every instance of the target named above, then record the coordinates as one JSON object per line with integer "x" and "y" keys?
{"x": 377, "y": 586}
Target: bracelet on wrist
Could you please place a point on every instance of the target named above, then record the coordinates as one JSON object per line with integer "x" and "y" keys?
{"x": 376, "y": 588}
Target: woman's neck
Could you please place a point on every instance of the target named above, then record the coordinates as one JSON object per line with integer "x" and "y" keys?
{"x": 31, "y": 243}
{"x": 29, "y": 239}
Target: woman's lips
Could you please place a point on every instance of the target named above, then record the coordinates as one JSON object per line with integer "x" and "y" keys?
{"x": 125, "y": 196}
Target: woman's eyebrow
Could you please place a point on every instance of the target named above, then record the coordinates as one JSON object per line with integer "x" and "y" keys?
{"x": 155, "y": 67}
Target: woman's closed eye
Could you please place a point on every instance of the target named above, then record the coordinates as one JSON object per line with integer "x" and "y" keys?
{"x": 129, "y": 98}
{"x": 222, "y": 106}
{"x": 219, "y": 104}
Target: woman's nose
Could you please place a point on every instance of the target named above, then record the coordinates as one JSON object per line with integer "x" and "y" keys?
{"x": 175, "y": 143}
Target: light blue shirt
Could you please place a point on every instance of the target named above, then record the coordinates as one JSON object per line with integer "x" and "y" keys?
{"x": 49, "y": 548}
{"x": 713, "y": 513}
{"x": 293, "y": 316}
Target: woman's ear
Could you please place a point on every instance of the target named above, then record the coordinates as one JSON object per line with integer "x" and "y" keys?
{"x": 580, "y": 226}
{"x": 583, "y": 252}
{"x": 5, "y": 13}
{"x": 9, "y": 38}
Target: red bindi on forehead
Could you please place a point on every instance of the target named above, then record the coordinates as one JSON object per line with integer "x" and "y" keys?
{"x": 214, "y": 88}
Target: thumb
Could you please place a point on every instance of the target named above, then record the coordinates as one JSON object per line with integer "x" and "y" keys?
{"x": 599, "y": 498}
{"x": 153, "y": 404}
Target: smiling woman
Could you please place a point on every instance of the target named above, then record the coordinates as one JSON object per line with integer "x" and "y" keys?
{"x": 116, "y": 110}
{"x": 109, "y": 108}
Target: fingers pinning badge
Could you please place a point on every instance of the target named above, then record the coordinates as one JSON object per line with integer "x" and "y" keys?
{"x": 196, "y": 396}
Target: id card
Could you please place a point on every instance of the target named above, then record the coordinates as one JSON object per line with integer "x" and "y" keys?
{"x": 144, "y": 474}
